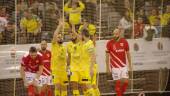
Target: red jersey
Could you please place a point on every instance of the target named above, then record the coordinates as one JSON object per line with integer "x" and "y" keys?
{"x": 31, "y": 65}
{"x": 47, "y": 62}
{"x": 117, "y": 51}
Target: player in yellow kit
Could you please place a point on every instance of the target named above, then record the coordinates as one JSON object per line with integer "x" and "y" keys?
{"x": 87, "y": 63}
{"x": 58, "y": 63}
{"x": 92, "y": 31}
{"x": 74, "y": 56}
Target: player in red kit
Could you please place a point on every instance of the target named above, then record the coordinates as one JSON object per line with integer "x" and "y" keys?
{"x": 46, "y": 78}
{"x": 117, "y": 50}
{"x": 31, "y": 70}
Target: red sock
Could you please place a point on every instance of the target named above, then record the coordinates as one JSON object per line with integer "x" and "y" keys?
{"x": 49, "y": 92}
{"x": 42, "y": 93}
{"x": 124, "y": 86}
{"x": 31, "y": 90}
{"x": 117, "y": 88}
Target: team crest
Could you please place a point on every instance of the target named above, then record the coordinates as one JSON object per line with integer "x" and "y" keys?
{"x": 121, "y": 44}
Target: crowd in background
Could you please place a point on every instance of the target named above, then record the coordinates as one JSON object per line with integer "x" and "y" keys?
{"x": 37, "y": 20}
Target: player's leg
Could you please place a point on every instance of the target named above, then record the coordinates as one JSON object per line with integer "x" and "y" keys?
{"x": 86, "y": 84}
{"x": 116, "y": 77}
{"x": 56, "y": 81}
{"x": 49, "y": 86}
{"x": 31, "y": 88}
{"x": 74, "y": 83}
{"x": 94, "y": 82}
{"x": 124, "y": 79}
{"x": 42, "y": 85}
{"x": 64, "y": 83}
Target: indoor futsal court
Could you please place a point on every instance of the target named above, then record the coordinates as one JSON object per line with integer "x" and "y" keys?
{"x": 84, "y": 47}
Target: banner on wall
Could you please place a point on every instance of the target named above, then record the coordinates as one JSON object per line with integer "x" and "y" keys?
{"x": 145, "y": 56}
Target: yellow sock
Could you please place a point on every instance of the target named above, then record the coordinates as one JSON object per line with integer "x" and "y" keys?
{"x": 63, "y": 93}
{"x": 76, "y": 93}
{"x": 97, "y": 92}
{"x": 57, "y": 93}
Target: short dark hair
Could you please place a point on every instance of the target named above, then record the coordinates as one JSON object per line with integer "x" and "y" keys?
{"x": 33, "y": 49}
{"x": 85, "y": 32}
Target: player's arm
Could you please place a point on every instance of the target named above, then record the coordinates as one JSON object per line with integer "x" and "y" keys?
{"x": 107, "y": 62}
{"x": 40, "y": 71}
{"x": 22, "y": 72}
{"x": 58, "y": 29}
{"x": 76, "y": 33}
{"x": 66, "y": 8}
{"x": 129, "y": 60}
{"x": 92, "y": 60}
{"x": 82, "y": 6}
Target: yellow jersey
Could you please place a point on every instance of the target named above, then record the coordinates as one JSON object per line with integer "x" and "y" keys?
{"x": 31, "y": 25}
{"x": 75, "y": 52}
{"x": 91, "y": 28}
{"x": 74, "y": 14}
{"x": 58, "y": 59}
{"x": 152, "y": 19}
{"x": 165, "y": 18}
{"x": 87, "y": 50}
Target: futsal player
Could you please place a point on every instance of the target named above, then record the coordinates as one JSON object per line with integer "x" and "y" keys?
{"x": 87, "y": 63}
{"x": 74, "y": 57}
{"x": 46, "y": 77}
{"x": 31, "y": 69}
{"x": 117, "y": 51}
{"x": 58, "y": 62}
{"x": 92, "y": 32}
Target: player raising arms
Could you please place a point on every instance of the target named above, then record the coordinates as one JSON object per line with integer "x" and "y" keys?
{"x": 58, "y": 62}
{"x": 87, "y": 63}
{"x": 74, "y": 57}
{"x": 92, "y": 32}
{"x": 46, "y": 78}
{"x": 31, "y": 69}
{"x": 117, "y": 50}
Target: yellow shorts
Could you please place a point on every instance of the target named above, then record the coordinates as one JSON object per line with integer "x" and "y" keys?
{"x": 81, "y": 76}
{"x": 60, "y": 77}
